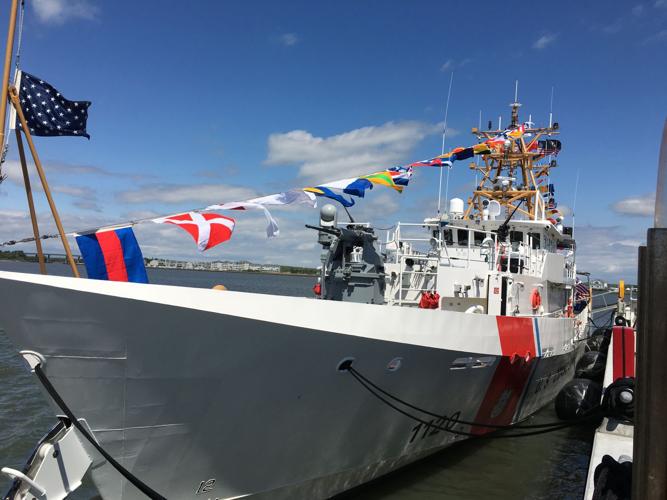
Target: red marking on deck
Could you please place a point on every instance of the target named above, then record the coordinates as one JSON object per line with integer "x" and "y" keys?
{"x": 623, "y": 339}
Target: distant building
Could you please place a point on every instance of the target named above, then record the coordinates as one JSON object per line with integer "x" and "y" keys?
{"x": 239, "y": 266}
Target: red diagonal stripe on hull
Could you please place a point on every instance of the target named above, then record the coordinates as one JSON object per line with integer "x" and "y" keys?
{"x": 509, "y": 379}
{"x": 113, "y": 255}
{"x": 516, "y": 336}
{"x": 503, "y": 395}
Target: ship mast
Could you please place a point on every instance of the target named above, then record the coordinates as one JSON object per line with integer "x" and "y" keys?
{"x": 514, "y": 170}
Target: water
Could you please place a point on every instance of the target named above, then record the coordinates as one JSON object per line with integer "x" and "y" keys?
{"x": 548, "y": 466}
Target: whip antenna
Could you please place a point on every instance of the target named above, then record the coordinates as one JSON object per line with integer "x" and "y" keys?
{"x": 574, "y": 203}
{"x": 444, "y": 138}
{"x": 551, "y": 108}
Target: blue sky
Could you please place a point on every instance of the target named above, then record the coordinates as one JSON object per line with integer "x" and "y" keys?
{"x": 202, "y": 102}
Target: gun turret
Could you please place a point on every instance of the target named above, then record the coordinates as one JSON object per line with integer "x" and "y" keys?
{"x": 352, "y": 268}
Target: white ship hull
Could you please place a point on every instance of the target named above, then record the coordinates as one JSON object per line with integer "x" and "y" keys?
{"x": 185, "y": 385}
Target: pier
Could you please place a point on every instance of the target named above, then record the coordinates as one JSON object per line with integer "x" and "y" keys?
{"x": 50, "y": 258}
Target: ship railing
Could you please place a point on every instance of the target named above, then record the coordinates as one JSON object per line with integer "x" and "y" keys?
{"x": 520, "y": 258}
{"x": 553, "y": 314}
{"x": 403, "y": 245}
{"x": 425, "y": 276}
{"x": 471, "y": 249}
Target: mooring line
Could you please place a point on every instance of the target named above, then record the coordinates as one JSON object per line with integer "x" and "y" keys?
{"x": 143, "y": 487}
{"x": 544, "y": 428}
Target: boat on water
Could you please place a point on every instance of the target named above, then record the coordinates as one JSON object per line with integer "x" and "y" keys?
{"x": 451, "y": 328}
{"x": 209, "y": 393}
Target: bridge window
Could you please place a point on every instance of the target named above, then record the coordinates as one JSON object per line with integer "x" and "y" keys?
{"x": 462, "y": 237}
{"x": 516, "y": 237}
{"x": 535, "y": 240}
{"x": 479, "y": 237}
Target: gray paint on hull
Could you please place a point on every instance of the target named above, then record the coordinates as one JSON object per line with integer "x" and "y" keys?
{"x": 181, "y": 396}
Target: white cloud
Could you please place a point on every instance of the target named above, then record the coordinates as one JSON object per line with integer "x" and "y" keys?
{"x": 642, "y": 206}
{"x": 296, "y": 245}
{"x": 451, "y": 64}
{"x": 12, "y": 169}
{"x": 87, "y": 205}
{"x": 615, "y": 26}
{"x": 177, "y": 193}
{"x": 74, "y": 191}
{"x": 564, "y": 210}
{"x": 607, "y": 252}
{"x": 16, "y": 225}
{"x": 60, "y": 11}
{"x": 660, "y": 36}
{"x": 377, "y": 207}
{"x": 545, "y": 40}
{"x": 351, "y": 153}
{"x": 289, "y": 39}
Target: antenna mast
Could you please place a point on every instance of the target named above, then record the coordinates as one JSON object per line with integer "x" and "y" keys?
{"x": 574, "y": 204}
{"x": 444, "y": 137}
{"x": 515, "y": 170}
{"x": 551, "y": 108}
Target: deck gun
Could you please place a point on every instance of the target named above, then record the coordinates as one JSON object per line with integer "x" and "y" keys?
{"x": 352, "y": 268}
{"x": 504, "y": 229}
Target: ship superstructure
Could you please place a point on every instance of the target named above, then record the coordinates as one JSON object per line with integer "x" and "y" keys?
{"x": 507, "y": 253}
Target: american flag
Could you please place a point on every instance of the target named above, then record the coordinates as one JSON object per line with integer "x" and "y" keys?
{"x": 47, "y": 112}
{"x": 581, "y": 290}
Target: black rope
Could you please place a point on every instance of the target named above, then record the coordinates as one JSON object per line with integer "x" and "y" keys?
{"x": 145, "y": 489}
{"x": 458, "y": 421}
{"x": 610, "y": 321}
{"x": 544, "y": 428}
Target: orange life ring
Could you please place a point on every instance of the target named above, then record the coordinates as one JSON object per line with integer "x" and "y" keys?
{"x": 535, "y": 299}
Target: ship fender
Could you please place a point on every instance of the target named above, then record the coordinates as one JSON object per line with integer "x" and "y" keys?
{"x": 598, "y": 343}
{"x": 578, "y": 398}
{"x": 591, "y": 365}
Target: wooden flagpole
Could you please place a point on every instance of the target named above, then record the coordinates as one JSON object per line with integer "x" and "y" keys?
{"x": 13, "y": 95}
{"x": 31, "y": 204}
{"x": 5, "y": 75}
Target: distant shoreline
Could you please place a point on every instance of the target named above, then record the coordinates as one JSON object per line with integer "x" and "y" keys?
{"x": 273, "y": 273}
{"x": 80, "y": 264}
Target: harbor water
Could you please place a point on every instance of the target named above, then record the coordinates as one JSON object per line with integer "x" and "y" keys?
{"x": 547, "y": 466}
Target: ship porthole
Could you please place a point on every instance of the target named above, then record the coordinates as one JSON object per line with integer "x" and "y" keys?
{"x": 394, "y": 364}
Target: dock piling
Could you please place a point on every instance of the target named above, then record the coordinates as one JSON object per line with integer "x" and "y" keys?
{"x": 649, "y": 475}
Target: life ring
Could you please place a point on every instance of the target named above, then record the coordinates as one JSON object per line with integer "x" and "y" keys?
{"x": 569, "y": 310}
{"x": 535, "y": 299}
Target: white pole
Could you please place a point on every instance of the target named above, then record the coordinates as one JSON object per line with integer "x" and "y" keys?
{"x": 444, "y": 137}
{"x": 479, "y": 127}
{"x": 551, "y": 108}
{"x": 574, "y": 203}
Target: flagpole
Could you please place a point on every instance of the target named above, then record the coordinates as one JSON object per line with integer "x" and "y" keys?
{"x": 13, "y": 95}
{"x": 5, "y": 75}
{"x": 31, "y": 204}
